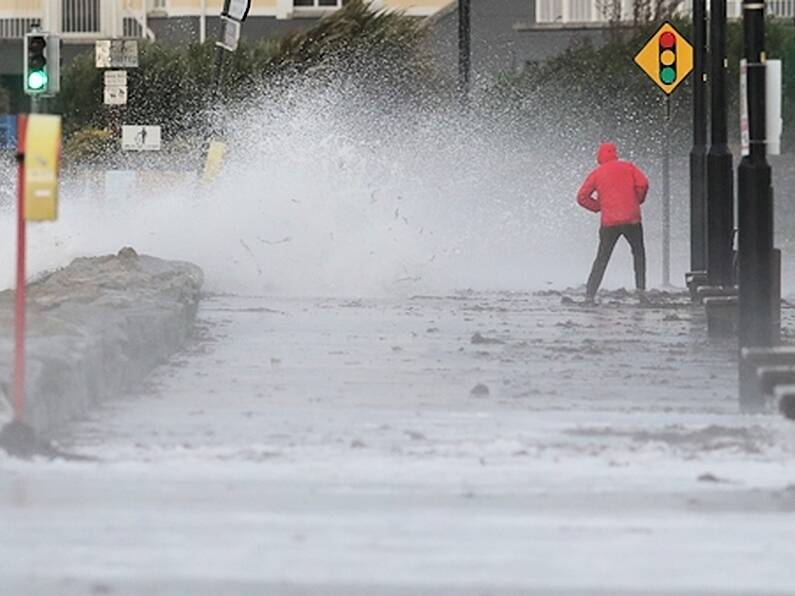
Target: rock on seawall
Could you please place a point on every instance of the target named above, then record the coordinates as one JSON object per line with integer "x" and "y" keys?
{"x": 95, "y": 329}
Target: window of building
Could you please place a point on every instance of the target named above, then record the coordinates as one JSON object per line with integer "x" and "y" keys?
{"x": 15, "y": 28}
{"x": 80, "y": 16}
{"x": 317, "y": 3}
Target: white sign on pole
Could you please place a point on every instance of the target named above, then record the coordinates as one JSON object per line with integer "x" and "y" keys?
{"x": 230, "y": 34}
{"x": 115, "y": 96}
{"x": 115, "y": 87}
{"x": 140, "y": 138}
{"x": 115, "y": 78}
{"x": 745, "y": 136}
{"x": 102, "y": 53}
{"x": 238, "y": 9}
{"x": 773, "y": 120}
{"x": 116, "y": 53}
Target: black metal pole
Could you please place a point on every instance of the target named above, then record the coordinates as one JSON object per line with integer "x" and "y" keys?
{"x": 698, "y": 154}
{"x": 218, "y": 71}
{"x": 666, "y": 191}
{"x": 756, "y": 318}
{"x": 720, "y": 173}
{"x": 464, "y": 49}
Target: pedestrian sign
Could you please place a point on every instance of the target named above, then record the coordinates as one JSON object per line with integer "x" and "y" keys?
{"x": 667, "y": 58}
{"x": 140, "y": 138}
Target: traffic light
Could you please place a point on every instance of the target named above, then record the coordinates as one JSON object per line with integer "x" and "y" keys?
{"x": 42, "y": 56}
{"x": 36, "y": 75}
{"x": 667, "y": 53}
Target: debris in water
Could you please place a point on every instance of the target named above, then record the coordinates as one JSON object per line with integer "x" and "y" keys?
{"x": 480, "y": 390}
{"x": 709, "y": 477}
{"x": 480, "y": 339}
{"x": 20, "y": 440}
{"x": 284, "y": 240}
{"x": 253, "y": 258}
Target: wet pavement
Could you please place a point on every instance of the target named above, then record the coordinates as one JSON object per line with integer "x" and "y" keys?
{"x": 477, "y": 443}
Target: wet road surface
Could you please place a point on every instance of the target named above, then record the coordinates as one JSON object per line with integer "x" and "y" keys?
{"x": 466, "y": 444}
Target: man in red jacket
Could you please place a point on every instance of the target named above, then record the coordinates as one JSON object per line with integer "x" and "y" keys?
{"x": 620, "y": 189}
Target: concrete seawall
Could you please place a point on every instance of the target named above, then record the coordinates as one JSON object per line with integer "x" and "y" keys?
{"x": 95, "y": 329}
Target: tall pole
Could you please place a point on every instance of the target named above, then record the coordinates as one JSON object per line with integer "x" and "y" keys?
{"x": 720, "y": 174}
{"x": 203, "y": 23}
{"x": 756, "y": 317}
{"x": 698, "y": 154}
{"x": 218, "y": 73}
{"x": 666, "y": 191}
{"x": 218, "y": 70}
{"x": 464, "y": 49}
{"x": 19, "y": 318}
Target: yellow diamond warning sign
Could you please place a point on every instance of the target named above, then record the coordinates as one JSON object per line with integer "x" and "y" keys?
{"x": 667, "y": 58}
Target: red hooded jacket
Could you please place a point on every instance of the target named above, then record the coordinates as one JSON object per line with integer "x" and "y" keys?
{"x": 620, "y": 189}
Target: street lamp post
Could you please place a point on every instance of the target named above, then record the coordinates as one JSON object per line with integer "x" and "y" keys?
{"x": 698, "y": 154}
{"x": 757, "y": 321}
{"x": 464, "y": 49}
{"x": 720, "y": 173}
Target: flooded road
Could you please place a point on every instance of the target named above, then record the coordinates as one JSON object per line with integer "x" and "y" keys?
{"x": 477, "y": 443}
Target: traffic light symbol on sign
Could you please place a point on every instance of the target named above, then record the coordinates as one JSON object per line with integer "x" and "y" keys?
{"x": 667, "y": 42}
{"x": 667, "y": 58}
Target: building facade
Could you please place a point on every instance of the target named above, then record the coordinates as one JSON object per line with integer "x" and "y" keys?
{"x": 506, "y": 34}
{"x": 81, "y": 22}
{"x": 87, "y": 20}
{"x": 603, "y": 11}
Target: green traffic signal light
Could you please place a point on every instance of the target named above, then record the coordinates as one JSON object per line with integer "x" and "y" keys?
{"x": 37, "y": 75}
{"x": 37, "y": 80}
{"x": 667, "y": 75}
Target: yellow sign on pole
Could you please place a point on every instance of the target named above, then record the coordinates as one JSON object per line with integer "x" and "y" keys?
{"x": 42, "y": 167}
{"x": 215, "y": 161}
{"x": 667, "y": 58}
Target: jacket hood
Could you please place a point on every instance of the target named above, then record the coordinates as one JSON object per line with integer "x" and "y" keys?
{"x": 607, "y": 152}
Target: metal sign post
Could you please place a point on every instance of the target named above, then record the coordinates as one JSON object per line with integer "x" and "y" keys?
{"x": 698, "y": 154}
{"x": 233, "y": 14}
{"x": 39, "y": 154}
{"x": 666, "y": 192}
{"x": 667, "y": 59}
{"x": 19, "y": 317}
{"x": 720, "y": 170}
{"x": 464, "y": 49}
{"x": 759, "y": 274}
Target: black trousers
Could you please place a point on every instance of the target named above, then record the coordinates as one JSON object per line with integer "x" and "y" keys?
{"x": 608, "y": 236}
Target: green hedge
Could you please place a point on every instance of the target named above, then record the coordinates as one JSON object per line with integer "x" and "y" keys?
{"x": 585, "y": 93}
{"x": 5, "y": 100}
{"x": 173, "y": 86}
{"x": 589, "y": 92}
